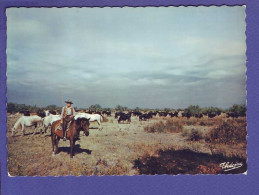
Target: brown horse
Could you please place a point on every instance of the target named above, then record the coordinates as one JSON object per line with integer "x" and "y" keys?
{"x": 72, "y": 133}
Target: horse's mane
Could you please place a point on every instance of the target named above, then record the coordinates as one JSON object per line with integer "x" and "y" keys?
{"x": 79, "y": 120}
{"x": 17, "y": 123}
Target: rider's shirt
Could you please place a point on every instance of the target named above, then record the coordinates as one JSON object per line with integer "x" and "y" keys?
{"x": 67, "y": 111}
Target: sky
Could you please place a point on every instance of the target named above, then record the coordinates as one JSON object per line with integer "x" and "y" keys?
{"x": 166, "y": 57}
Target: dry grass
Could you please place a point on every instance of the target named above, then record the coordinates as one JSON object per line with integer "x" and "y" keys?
{"x": 230, "y": 131}
{"x": 194, "y": 134}
{"x": 116, "y": 149}
{"x": 220, "y": 135}
{"x": 204, "y": 121}
{"x": 105, "y": 120}
{"x": 169, "y": 126}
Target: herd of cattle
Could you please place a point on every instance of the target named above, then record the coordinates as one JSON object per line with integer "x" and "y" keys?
{"x": 144, "y": 116}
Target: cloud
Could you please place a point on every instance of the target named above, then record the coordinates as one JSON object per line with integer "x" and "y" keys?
{"x": 166, "y": 57}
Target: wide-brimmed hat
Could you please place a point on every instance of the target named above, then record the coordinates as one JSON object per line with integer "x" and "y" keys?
{"x": 69, "y": 101}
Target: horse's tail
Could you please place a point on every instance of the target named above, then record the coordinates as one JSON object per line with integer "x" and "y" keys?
{"x": 102, "y": 117}
{"x": 17, "y": 123}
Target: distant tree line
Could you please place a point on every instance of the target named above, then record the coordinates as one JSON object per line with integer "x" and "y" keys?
{"x": 193, "y": 109}
{"x": 14, "y": 107}
{"x": 236, "y": 108}
{"x": 97, "y": 108}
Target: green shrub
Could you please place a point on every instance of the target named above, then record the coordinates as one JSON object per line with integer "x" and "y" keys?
{"x": 238, "y": 109}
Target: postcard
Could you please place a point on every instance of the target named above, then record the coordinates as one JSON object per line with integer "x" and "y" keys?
{"x": 126, "y": 91}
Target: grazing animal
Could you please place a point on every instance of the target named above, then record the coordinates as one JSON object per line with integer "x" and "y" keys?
{"x": 137, "y": 113}
{"x": 42, "y": 114}
{"x": 232, "y": 114}
{"x": 49, "y": 120}
{"x": 125, "y": 117}
{"x": 92, "y": 117}
{"x": 198, "y": 115}
{"x": 27, "y": 121}
{"x": 77, "y": 124}
{"x": 218, "y": 113}
{"x": 46, "y": 112}
{"x": 154, "y": 113}
{"x": 163, "y": 114}
{"x": 145, "y": 117}
{"x": 53, "y": 112}
{"x": 108, "y": 113}
{"x": 186, "y": 114}
{"x": 98, "y": 112}
{"x": 175, "y": 114}
{"x": 117, "y": 114}
{"x": 211, "y": 115}
{"x": 25, "y": 113}
{"x": 150, "y": 113}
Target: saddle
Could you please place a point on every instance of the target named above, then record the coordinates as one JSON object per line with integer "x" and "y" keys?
{"x": 59, "y": 130}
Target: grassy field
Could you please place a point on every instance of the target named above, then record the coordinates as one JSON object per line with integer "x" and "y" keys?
{"x": 158, "y": 146}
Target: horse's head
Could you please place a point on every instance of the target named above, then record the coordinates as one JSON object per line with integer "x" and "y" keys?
{"x": 83, "y": 124}
{"x": 46, "y": 112}
{"x": 13, "y": 131}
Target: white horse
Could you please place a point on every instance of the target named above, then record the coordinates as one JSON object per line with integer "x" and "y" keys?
{"x": 26, "y": 121}
{"x": 91, "y": 117}
{"x": 46, "y": 112}
{"x": 48, "y": 120}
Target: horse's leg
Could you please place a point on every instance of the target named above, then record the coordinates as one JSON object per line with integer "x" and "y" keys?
{"x": 99, "y": 123}
{"x": 39, "y": 126}
{"x": 56, "y": 144}
{"x": 53, "y": 142}
{"x": 35, "y": 127}
{"x": 72, "y": 144}
{"x": 23, "y": 130}
{"x": 45, "y": 128}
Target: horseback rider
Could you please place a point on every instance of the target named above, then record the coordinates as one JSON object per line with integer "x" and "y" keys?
{"x": 68, "y": 112}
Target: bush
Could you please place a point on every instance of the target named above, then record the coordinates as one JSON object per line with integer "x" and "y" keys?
{"x": 193, "y": 135}
{"x": 95, "y": 108}
{"x": 238, "y": 109}
{"x": 120, "y": 108}
{"x": 211, "y": 110}
{"x": 232, "y": 131}
{"x": 170, "y": 126}
{"x": 173, "y": 126}
{"x": 209, "y": 122}
{"x": 193, "y": 110}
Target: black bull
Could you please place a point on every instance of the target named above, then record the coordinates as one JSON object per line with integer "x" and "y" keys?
{"x": 125, "y": 117}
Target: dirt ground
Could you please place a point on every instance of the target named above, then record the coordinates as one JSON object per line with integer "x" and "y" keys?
{"x": 119, "y": 149}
